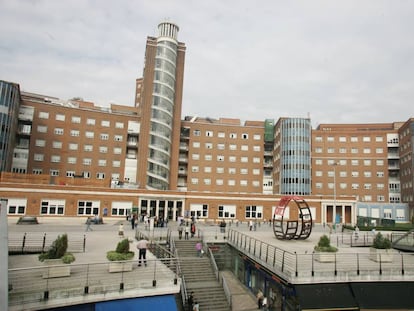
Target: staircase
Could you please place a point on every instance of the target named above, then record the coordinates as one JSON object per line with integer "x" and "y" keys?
{"x": 200, "y": 277}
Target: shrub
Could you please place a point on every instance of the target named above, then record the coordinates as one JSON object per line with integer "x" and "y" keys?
{"x": 381, "y": 242}
{"x": 324, "y": 245}
{"x": 58, "y": 250}
{"x": 123, "y": 246}
{"x": 121, "y": 253}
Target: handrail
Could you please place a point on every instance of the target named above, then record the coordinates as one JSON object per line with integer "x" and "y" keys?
{"x": 305, "y": 267}
{"x": 33, "y": 285}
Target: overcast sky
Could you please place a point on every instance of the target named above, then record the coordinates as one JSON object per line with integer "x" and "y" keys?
{"x": 335, "y": 61}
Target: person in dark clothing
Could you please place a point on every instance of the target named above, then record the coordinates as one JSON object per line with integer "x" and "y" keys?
{"x": 190, "y": 301}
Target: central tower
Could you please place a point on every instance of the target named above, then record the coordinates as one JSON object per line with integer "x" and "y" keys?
{"x": 159, "y": 98}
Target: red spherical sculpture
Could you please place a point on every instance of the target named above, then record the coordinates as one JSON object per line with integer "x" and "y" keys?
{"x": 298, "y": 229}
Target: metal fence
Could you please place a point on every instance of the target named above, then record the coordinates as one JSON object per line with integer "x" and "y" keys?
{"x": 32, "y": 285}
{"x": 307, "y": 267}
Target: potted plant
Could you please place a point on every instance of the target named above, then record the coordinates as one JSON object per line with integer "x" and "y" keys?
{"x": 324, "y": 251}
{"x": 120, "y": 258}
{"x": 56, "y": 257}
{"x": 381, "y": 249}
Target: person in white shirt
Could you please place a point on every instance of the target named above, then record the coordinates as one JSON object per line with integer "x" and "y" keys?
{"x": 142, "y": 246}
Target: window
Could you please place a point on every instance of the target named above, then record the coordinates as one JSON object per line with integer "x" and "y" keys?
{"x": 119, "y": 125}
{"x": 221, "y": 135}
{"x": 196, "y": 132}
{"x": 90, "y": 121}
{"x": 43, "y": 115}
{"x": 87, "y": 161}
{"x": 74, "y": 133}
{"x": 52, "y": 207}
{"x": 354, "y": 150}
{"x": 220, "y": 170}
{"x": 76, "y": 119}
{"x": 318, "y": 173}
{"x": 245, "y": 136}
{"x": 330, "y": 139}
{"x": 209, "y": 146}
{"x": 89, "y": 134}
{"x": 219, "y": 182}
{"x": 379, "y": 150}
{"x": 342, "y": 150}
{"x": 233, "y": 135}
{"x": 195, "y": 156}
{"x": 194, "y": 181}
{"x": 195, "y": 169}
{"x": 220, "y": 146}
{"x": 257, "y": 137}
{"x": 196, "y": 144}
{"x": 89, "y": 208}
{"x": 355, "y": 174}
{"x": 103, "y": 149}
{"x": 318, "y": 150}
{"x": 104, "y": 136}
{"x": 70, "y": 173}
{"x": 57, "y": 144}
{"x": 256, "y": 183}
{"x": 380, "y": 174}
{"x": 100, "y": 175}
{"x": 102, "y": 162}
{"x": 342, "y": 139}
{"x": 244, "y": 148}
{"x": 367, "y": 186}
{"x": 343, "y": 174}
{"x": 318, "y": 139}
{"x": 379, "y": 162}
{"x": 88, "y": 148}
{"x": 232, "y": 170}
{"x": 38, "y": 157}
{"x": 232, "y": 158}
{"x": 207, "y": 181}
{"x": 37, "y": 171}
{"x": 207, "y": 169}
{"x": 355, "y": 186}
{"x": 367, "y": 162}
{"x": 354, "y": 139}
{"x": 117, "y": 150}
{"x": 118, "y": 138}
{"x": 367, "y": 174}
{"x": 42, "y": 129}
{"x": 231, "y": 182}
{"x": 208, "y": 157}
{"x": 73, "y": 146}
{"x": 354, "y": 162}
{"x": 16, "y": 206}
{"x": 256, "y": 148}
{"x": 105, "y": 123}
{"x": 233, "y": 147}
{"x": 60, "y": 117}
{"x": 379, "y": 139}
{"x": 226, "y": 211}
{"x": 116, "y": 163}
{"x": 58, "y": 131}
{"x": 256, "y": 171}
{"x": 209, "y": 133}
{"x": 244, "y": 171}
{"x": 256, "y": 160}
{"x": 220, "y": 158}
{"x": 367, "y": 198}
{"x": 366, "y": 139}
{"x": 243, "y": 183}
{"x": 244, "y": 159}
{"x": 331, "y": 150}
{"x": 40, "y": 143}
{"x": 71, "y": 160}
{"x": 54, "y": 172}
{"x": 318, "y": 185}
{"x": 253, "y": 212}
{"x": 55, "y": 159}
{"x": 318, "y": 162}
{"x": 367, "y": 150}
{"x": 380, "y": 186}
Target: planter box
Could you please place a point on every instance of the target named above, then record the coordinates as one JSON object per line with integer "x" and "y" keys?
{"x": 325, "y": 256}
{"x": 383, "y": 255}
{"x": 55, "y": 268}
{"x": 120, "y": 266}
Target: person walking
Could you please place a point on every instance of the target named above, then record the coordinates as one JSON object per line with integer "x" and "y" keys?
{"x": 199, "y": 248}
{"x": 196, "y": 306}
{"x": 121, "y": 230}
{"x": 180, "y": 231}
{"x": 259, "y": 297}
{"x": 186, "y": 232}
{"x": 190, "y": 301}
{"x": 88, "y": 224}
{"x": 193, "y": 229}
{"x": 142, "y": 246}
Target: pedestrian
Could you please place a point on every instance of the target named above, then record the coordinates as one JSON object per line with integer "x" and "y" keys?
{"x": 259, "y": 297}
{"x": 356, "y": 232}
{"x": 186, "y": 231}
{"x": 142, "y": 246}
{"x": 199, "y": 248}
{"x": 88, "y": 224}
{"x": 193, "y": 229}
{"x": 196, "y": 306}
{"x": 264, "y": 303}
{"x": 121, "y": 230}
{"x": 223, "y": 226}
{"x": 190, "y": 301}
{"x": 180, "y": 231}
{"x": 133, "y": 221}
{"x": 251, "y": 225}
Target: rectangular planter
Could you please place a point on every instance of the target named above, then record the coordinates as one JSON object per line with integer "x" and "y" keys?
{"x": 383, "y": 255}
{"x": 55, "y": 268}
{"x": 120, "y": 266}
{"x": 324, "y": 256}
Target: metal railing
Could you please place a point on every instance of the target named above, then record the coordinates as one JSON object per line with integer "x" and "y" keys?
{"x": 306, "y": 267}
{"x": 32, "y": 285}
{"x": 37, "y": 242}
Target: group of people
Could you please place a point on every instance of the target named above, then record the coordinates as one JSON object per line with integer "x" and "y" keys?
{"x": 261, "y": 301}
{"x": 187, "y": 229}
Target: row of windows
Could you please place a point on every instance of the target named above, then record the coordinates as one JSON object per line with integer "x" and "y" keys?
{"x": 76, "y": 133}
{"x": 232, "y": 147}
{"x": 221, "y": 158}
{"x": 367, "y": 174}
{"x": 244, "y": 136}
{"x": 345, "y": 150}
{"x": 220, "y": 170}
{"x": 78, "y": 120}
{"x": 75, "y": 146}
{"x": 39, "y": 157}
{"x": 85, "y": 174}
{"x": 353, "y": 139}
{"x": 230, "y": 182}
{"x": 354, "y": 162}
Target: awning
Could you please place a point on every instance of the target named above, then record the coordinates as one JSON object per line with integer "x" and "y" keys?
{"x": 159, "y": 303}
{"x": 384, "y": 295}
{"x": 336, "y": 296}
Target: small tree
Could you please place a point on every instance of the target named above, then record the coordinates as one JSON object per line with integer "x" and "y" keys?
{"x": 324, "y": 245}
{"x": 58, "y": 250}
{"x": 381, "y": 242}
{"x": 122, "y": 252}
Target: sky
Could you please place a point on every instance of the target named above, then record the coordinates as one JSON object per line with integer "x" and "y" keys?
{"x": 335, "y": 61}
